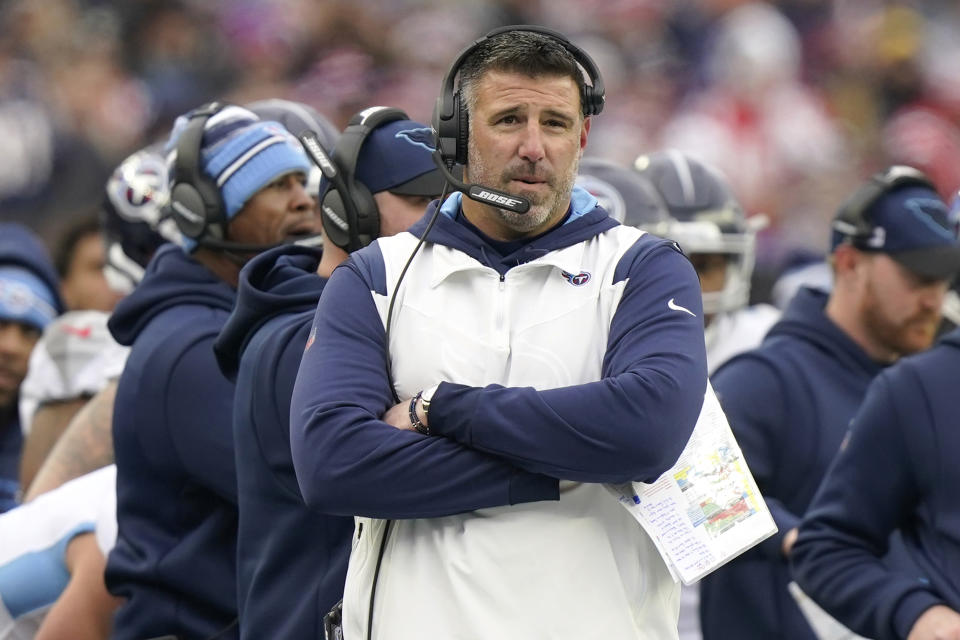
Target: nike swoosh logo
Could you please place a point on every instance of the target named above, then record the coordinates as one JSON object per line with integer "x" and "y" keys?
{"x": 674, "y": 306}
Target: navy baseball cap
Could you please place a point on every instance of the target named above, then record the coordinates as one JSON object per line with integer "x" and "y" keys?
{"x": 397, "y": 157}
{"x": 913, "y": 225}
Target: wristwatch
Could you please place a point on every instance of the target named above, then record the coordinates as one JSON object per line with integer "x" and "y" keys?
{"x": 425, "y": 396}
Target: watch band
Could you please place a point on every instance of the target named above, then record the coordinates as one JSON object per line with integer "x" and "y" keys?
{"x": 425, "y": 396}
{"x": 418, "y": 426}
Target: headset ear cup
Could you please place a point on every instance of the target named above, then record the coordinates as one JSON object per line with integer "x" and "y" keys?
{"x": 188, "y": 210}
{"x": 589, "y": 101}
{"x": 445, "y": 136}
{"x": 596, "y": 98}
{"x": 333, "y": 214}
{"x": 195, "y": 201}
{"x": 353, "y": 215}
{"x": 462, "y": 118}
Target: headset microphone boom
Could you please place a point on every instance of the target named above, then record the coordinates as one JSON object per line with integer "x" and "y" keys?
{"x": 486, "y": 195}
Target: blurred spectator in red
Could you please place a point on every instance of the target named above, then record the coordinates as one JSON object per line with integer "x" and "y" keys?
{"x": 769, "y": 132}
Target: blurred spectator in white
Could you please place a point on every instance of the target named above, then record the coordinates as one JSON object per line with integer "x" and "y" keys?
{"x": 51, "y": 562}
{"x": 75, "y": 358}
{"x": 765, "y": 129}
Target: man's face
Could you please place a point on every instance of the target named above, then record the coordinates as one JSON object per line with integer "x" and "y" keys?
{"x": 900, "y": 309}
{"x": 280, "y": 211}
{"x": 16, "y": 343}
{"x": 712, "y": 269}
{"x": 526, "y": 138}
{"x": 84, "y": 286}
{"x": 398, "y": 213}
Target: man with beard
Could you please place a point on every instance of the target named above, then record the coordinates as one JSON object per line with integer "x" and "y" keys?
{"x": 896, "y": 472}
{"x": 790, "y": 401}
{"x": 468, "y": 406}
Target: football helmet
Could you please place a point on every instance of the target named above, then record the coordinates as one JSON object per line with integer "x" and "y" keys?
{"x": 704, "y": 217}
{"x": 132, "y": 217}
{"x": 626, "y": 196}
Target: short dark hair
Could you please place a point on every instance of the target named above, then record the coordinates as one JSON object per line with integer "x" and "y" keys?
{"x": 527, "y": 52}
{"x": 84, "y": 226}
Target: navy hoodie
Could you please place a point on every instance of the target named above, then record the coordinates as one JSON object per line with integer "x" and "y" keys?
{"x": 897, "y": 471}
{"x": 789, "y": 403}
{"x": 383, "y": 472}
{"x": 19, "y": 247}
{"x": 291, "y": 561}
{"x": 175, "y": 556}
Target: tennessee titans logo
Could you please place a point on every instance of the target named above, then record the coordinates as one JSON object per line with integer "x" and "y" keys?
{"x": 578, "y": 279}
{"x": 141, "y": 191}
{"x": 934, "y": 214}
{"x": 16, "y": 297}
{"x": 138, "y": 187}
{"x": 422, "y": 137}
{"x": 953, "y": 215}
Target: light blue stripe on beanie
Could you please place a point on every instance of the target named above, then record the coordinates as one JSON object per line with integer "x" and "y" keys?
{"x": 25, "y": 298}
{"x": 249, "y": 159}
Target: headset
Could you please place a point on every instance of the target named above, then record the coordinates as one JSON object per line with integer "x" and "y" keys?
{"x": 450, "y": 133}
{"x": 351, "y": 219}
{"x": 853, "y": 220}
{"x": 195, "y": 201}
{"x": 196, "y": 204}
{"x": 349, "y": 228}
{"x": 451, "y": 120}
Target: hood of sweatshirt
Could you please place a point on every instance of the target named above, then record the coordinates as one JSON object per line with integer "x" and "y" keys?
{"x": 952, "y": 338}
{"x": 586, "y": 219}
{"x": 280, "y": 281}
{"x": 172, "y": 278}
{"x": 806, "y": 318}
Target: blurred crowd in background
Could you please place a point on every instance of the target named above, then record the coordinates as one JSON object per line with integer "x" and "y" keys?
{"x": 796, "y": 100}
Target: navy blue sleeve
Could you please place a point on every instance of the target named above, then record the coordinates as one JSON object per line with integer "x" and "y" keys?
{"x": 870, "y": 490}
{"x": 348, "y": 461}
{"x": 199, "y": 416}
{"x": 268, "y": 371}
{"x": 754, "y": 400}
{"x": 630, "y": 425}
